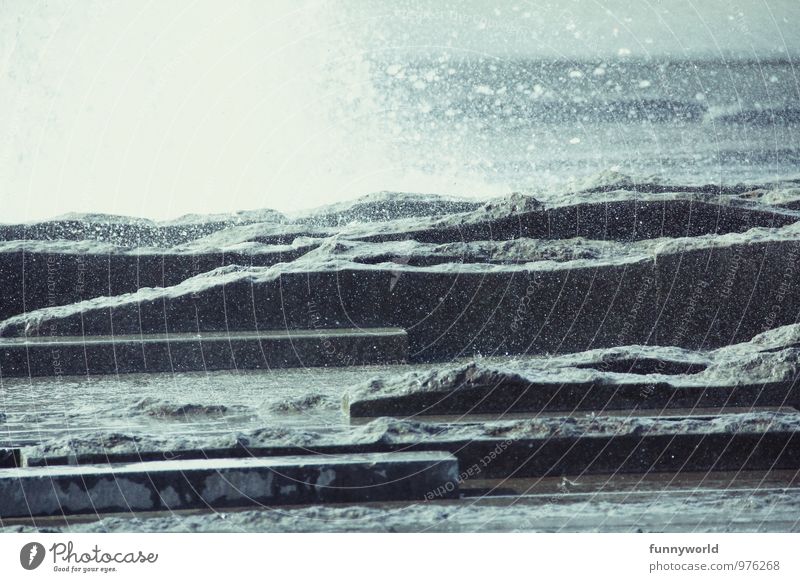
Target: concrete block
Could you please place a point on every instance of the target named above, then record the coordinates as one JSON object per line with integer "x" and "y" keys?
{"x": 173, "y": 485}
{"x": 721, "y": 291}
{"x": 539, "y": 447}
{"x": 56, "y": 356}
{"x": 558, "y": 396}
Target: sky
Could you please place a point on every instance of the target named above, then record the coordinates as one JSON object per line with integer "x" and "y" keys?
{"x": 158, "y": 109}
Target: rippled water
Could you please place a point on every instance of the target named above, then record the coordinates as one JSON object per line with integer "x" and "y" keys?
{"x": 189, "y": 403}
{"x": 532, "y": 124}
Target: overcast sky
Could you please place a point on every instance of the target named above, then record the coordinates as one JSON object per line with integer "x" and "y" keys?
{"x": 163, "y": 108}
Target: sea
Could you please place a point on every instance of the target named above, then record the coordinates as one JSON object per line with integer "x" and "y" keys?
{"x": 526, "y": 124}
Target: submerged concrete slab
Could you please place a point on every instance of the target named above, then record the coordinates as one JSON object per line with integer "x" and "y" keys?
{"x": 743, "y": 376}
{"x": 677, "y": 510}
{"x": 173, "y": 485}
{"x": 549, "y": 397}
{"x": 538, "y": 447}
{"x": 56, "y": 356}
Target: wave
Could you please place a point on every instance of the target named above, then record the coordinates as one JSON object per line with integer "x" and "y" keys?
{"x": 759, "y": 115}
{"x": 623, "y": 110}
{"x": 588, "y": 111}
{"x": 169, "y": 410}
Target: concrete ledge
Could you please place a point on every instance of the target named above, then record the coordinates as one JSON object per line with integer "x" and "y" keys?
{"x": 694, "y": 294}
{"x": 172, "y": 485}
{"x": 535, "y": 447}
{"x": 57, "y": 356}
{"x": 558, "y": 396}
{"x": 39, "y": 274}
{"x": 607, "y": 218}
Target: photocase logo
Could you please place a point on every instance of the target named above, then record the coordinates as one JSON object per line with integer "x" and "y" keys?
{"x": 31, "y": 555}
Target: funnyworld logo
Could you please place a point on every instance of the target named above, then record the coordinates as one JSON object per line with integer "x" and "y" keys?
{"x": 31, "y": 555}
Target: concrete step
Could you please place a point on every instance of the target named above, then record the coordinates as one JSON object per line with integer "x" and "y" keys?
{"x": 692, "y": 293}
{"x": 606, "y": 217}
{"x": 175, "y": 485}
{"x": 530, "y": 448}
{"x": 514, "y": 397}
{"x": 66, "y": 356}
{"x": 38, "y": 274}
